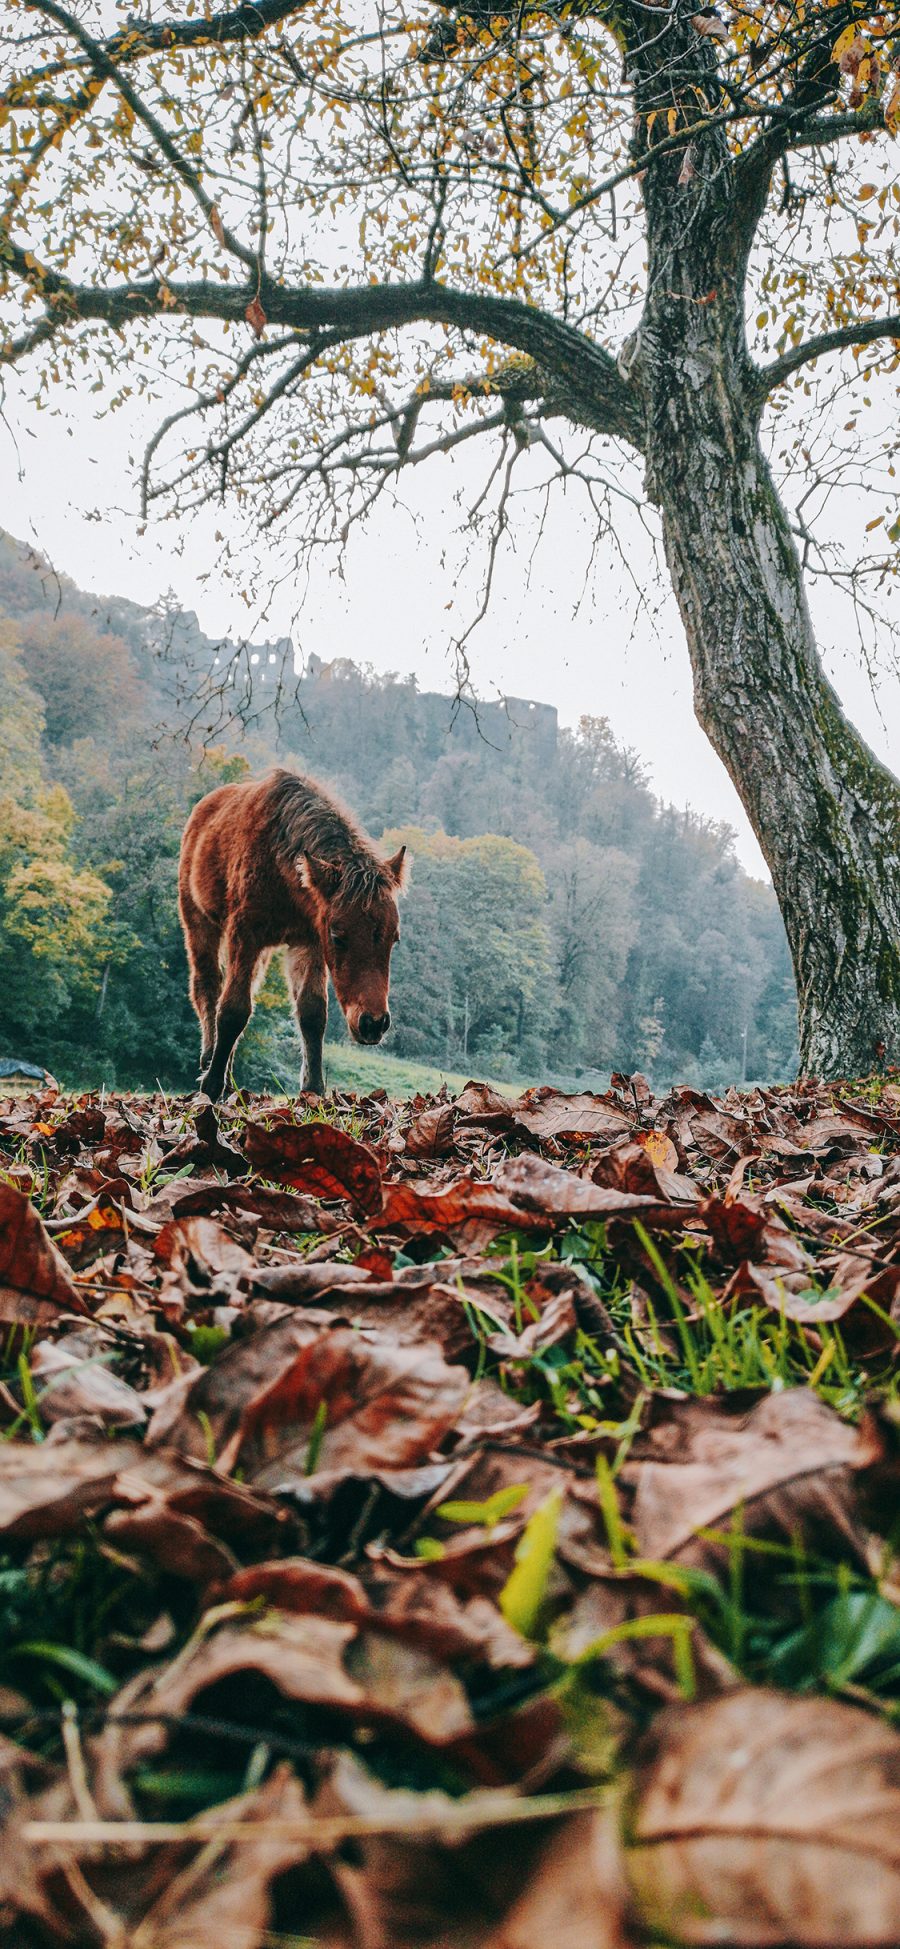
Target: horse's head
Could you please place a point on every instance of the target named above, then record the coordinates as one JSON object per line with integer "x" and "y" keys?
{"x": 358, "y": 923}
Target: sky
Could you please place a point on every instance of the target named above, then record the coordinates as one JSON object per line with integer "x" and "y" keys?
{"x": 554, "y": 631}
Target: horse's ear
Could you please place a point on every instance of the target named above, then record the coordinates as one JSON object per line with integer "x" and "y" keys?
{"x": 322, "y": 875}
{"x": 399, "y": 869}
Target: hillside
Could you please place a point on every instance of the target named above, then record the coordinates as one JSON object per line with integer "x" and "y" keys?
{"x": 561, "y": 921}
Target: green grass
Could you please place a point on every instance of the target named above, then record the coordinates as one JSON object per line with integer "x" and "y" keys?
{"x": 73, "y": 1612}
{"x": 350, "y": 1068}
{"x": 782, "y": 1614}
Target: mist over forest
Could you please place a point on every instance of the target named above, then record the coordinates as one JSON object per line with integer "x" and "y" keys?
{"x": 561, "y": 922}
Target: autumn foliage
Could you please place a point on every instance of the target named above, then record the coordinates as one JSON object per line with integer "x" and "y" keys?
{"x": 465, "y": 1522}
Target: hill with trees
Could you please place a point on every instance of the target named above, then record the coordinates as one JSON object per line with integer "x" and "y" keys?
{"x": 561, "y": 920}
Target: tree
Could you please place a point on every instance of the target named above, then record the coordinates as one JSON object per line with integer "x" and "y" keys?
{"x": 78, "y": 671}
{"x": 476, "y": 964}
{"x": 593, "y": 926}
{"x": 131, "y": 804}
{"x": 357, "y": 243}
{"x": 21, "y": 723}
{"x": 56, "y": 933}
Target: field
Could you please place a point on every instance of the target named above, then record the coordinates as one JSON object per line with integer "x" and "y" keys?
{"x": 349, "y": 1067}
{"x": 437, "y": 1524}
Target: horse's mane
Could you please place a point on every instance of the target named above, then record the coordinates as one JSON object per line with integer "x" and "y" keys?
{"x": 307, "y": 819}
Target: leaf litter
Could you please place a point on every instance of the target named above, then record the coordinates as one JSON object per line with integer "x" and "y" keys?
{"x": 469, "y": 1522}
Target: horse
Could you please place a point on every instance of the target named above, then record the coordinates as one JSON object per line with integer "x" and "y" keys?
{"x": 277, "y": 862}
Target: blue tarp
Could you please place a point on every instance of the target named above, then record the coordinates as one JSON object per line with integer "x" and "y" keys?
{"x": 9, "y": 1067}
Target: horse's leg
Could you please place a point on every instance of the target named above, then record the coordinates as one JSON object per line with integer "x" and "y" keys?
{"x": 201, "y": 939}
{"x": 308, "y": 982}
{"x": 233, "y": 1012}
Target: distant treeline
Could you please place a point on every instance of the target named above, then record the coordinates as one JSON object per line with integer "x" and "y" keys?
{"x": 561, "y": 921}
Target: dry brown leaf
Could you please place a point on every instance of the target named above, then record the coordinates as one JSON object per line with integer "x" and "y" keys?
{"x": 176, "y": 1542}
{"x": 279, "y": 1210}
{"x": 161, "y": 1483}
{"x": 220, "y": 1899}
{"x": 204, "y": 1264}
{"x": 863, "y": 1297}
{"x": 524, "y": 1192}
{"x": 576, "y": 1896}
{"x": 437, "y": 1889}
{"x": 788, "y": 1463}
{"x": 377, "y": 1405}
{"x": 543, "y": 1191}
{"x": 404, "y": 1604}
{"x": 321, "y": 1661}
{"x": 35, "y": 1281}
{"x": 763, "y": 1819}
{"x": 548, "y": 1113}
{"x": 74, "y": 1376}
{"x": 431, "y": 1135}
{"x": 52, "y": 1488}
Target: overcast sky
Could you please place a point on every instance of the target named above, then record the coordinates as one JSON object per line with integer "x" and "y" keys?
{"x": 68, "y": 486}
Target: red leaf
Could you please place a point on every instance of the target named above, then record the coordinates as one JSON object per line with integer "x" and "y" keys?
{"x": 316, "y": 1157}
{"x": 35, "y": 1282}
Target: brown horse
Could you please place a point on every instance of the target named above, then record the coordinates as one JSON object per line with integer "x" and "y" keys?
{"x": 275, "y": 862}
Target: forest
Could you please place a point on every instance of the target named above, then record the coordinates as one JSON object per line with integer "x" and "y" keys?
{"x": 561, "y": 921}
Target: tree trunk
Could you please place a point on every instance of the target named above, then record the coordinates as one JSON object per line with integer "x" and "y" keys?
{"x": 825, "y": 811}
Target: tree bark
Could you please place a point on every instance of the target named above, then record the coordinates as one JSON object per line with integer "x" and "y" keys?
{"x": 826, "y": 812}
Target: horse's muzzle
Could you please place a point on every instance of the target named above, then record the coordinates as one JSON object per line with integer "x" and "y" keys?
{"x": 371, "y": 1028}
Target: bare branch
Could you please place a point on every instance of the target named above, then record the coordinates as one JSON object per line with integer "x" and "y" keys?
{"x": 861, "y": 332}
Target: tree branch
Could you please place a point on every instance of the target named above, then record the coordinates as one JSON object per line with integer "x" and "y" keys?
{"x": 819, "y": 130}
{"x": 582, "y": 374}
{"x": 106, "y": 69}
{"x": 861, "y": 333}
{"x": 817, "y": 84}
{"x": 142, "y": 38}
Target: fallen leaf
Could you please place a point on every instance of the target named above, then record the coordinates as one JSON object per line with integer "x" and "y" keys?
{"x": 762, "y": 1819}
{"x": 35, "y": 1282}
{"x": 318, "y": 1661}
{"x": 52, "y": 1488}
{"x": 787, "y": 1463}
{"x": 576, "y": 1895}
{"x": 524, "y": 1192}
{"x": 377, "y": 1405}
{"x": 75, "y": 1376}
{"x": 547, "y": 1113}
{"x": 431, "y": 1135}
{"x": 404, "y": 1604}
{"x": 316, "y": 1157}
{"x": 222, "y": 1895}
